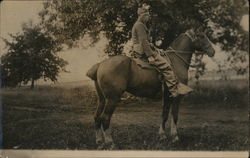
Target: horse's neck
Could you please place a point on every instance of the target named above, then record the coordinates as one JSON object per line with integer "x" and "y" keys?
{"x": 184, "y": 46}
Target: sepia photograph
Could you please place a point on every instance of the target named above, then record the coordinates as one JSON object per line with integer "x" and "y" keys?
{"x": 124, "y": 78}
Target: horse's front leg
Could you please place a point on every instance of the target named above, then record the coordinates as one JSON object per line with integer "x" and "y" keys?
{"x": 165, "y": 113}
{"x": 174, "y": 120}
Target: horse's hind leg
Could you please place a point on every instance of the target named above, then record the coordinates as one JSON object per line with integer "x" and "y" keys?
{"x": 99, "y": 110}
{"x": 113, "y": 76}
{"x": 103, "y": 116}
{"x": 110, "y": 106}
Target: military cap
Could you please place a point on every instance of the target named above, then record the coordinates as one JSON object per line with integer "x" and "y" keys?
{"x": 143, "y": 10}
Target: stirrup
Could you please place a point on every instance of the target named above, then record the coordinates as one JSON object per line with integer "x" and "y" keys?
{"x": 183, "y": 89}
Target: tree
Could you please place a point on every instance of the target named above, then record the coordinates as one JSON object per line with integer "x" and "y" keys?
{"x": 69, "y": 21}
{"x": 31, "y": 55}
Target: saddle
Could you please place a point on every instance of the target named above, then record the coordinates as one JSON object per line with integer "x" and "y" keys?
{"x": 143, "y": 64}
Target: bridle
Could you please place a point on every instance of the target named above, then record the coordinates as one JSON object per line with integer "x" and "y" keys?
{"x": 177, "y": 52}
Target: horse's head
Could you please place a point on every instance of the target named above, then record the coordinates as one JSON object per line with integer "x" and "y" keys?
{"x": 184, "y": 46}
{"x": 202, "y": 43}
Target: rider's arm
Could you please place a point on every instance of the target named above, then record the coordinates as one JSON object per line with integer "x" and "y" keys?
{"x": 143, "y": 39}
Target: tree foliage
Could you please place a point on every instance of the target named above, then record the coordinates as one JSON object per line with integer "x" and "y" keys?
{"x": 69, "y": 21}
{"x": 31, "y": 55}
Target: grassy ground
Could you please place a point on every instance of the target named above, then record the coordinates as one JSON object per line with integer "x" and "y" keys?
{"x": 214, "y": 117}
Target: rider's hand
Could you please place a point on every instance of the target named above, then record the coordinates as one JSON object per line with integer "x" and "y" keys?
{"x": 152, "y": 46}
{"x": 151, "y": 59}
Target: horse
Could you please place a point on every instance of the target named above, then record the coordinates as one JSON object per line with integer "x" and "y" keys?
{"x": 114, "y": 76}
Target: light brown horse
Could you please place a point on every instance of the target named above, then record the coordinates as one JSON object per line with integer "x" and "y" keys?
{"x": 118, "y": 74}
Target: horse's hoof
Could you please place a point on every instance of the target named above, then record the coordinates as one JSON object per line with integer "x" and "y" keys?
{"x": 175, "y": 139}
{"x": 100, "y": 146}
{"x": 163, "y": 137}
{"x": 110, "y": 146}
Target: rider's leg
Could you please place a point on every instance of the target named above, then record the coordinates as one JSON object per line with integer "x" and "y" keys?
{"x": 170, "y": 78}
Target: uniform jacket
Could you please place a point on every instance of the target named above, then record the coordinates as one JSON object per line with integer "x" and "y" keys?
{"x": 140, "y": 39}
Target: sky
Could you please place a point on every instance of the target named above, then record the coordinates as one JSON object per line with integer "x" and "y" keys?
{"x": 15, "y": 13}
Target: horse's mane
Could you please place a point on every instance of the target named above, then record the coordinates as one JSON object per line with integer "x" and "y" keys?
{"x": 177, "y": 39}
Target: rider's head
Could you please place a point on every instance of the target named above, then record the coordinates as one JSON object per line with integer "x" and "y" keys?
{"x": 143, "y": 13}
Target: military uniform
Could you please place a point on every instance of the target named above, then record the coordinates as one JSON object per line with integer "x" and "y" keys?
{"x": 140, "y": 39}
{"x": 143, "y": 50}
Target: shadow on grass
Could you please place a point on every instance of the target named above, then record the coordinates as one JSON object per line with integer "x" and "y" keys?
{"x": 59, "y": 134}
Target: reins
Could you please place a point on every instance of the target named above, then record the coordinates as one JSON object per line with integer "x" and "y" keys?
{"x": 180, "y": 57}
{"x": 172, "y": 50}
{"x": 166, "y": 52}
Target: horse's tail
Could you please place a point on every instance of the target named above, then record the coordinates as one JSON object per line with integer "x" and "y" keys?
{"x": 93, "y": 71}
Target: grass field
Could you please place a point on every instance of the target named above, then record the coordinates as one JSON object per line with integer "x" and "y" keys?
{"x": 215, "y": 117}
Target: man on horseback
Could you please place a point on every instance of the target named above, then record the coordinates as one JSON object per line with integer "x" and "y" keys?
{"x": 142, "y": 49}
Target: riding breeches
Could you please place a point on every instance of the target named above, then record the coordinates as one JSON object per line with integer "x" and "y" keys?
{"x": 164, "y": 66}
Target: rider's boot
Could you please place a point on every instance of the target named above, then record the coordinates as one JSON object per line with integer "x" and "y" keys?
{"x": 175, "y": 88}
{"x": 179, "y": 89}
{"x": 183, "y": 89}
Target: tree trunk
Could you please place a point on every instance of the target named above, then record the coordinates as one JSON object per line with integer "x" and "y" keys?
{"x": 32, "y": 83}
